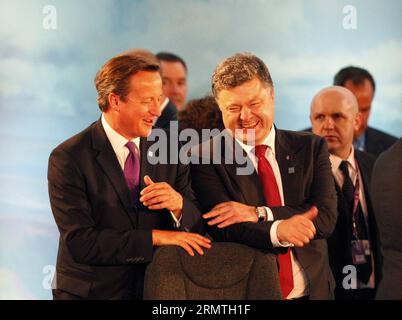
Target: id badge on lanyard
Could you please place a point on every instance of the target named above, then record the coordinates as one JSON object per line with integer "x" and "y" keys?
{"x": 360, "y": 248}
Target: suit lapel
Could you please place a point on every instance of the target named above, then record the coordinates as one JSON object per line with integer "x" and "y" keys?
{"x": 289, "y": 156}
{"x": 365, "y": 168}
{"x": 107, "y": 160}
{"x": 247, "y": 188}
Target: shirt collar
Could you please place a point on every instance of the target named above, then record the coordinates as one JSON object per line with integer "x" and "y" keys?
{"x": 164, "y": 104}
{"x": 117, "y": 141}
{"x": 336, "y": 161}
{"x": 268, "y": 141}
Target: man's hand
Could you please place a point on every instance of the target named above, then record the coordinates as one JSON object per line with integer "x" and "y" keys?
{"x": 299, "y": 229}
{"x": 227, "y": 213}
{"x": 160, "y": 195}
{"x": 187, "y": 240}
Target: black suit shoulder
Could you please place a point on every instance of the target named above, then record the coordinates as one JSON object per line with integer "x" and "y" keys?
{"x": 378, "y": 141}
{"x": 381, "y": 135}
{"x": 168, "y": 114}
{"x": 366, "y": 163}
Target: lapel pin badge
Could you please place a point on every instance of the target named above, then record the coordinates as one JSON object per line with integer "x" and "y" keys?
{"x": 287, "y": 157}
{"x": 291, "y": 170}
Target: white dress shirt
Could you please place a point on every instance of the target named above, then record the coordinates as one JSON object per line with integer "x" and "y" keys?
{"x": 118, "y": 143}
{"x": 300, "y": 281}
{"x": 339, "y": 178}
{"x": 163, "y": 106}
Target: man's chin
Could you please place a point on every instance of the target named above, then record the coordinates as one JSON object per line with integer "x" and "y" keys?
{"x": 145, "y": 132}
{"x": 148, "y": 132}
{"x": 178, "y": 103}
{"x": 333, "y": 148}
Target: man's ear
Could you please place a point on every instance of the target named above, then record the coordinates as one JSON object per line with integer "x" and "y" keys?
{"x": 358, "y": 122}
{"x": 219, "y": 105}
{"x": 272, "y": 93}
{"x": 114, "y": 101}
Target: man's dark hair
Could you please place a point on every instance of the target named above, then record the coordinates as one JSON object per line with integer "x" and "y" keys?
{"x": 201, "y": 114}
{"x": 171, "y": 57}
{"x": 238, "y": 69}
{"x": 355, "y": 74}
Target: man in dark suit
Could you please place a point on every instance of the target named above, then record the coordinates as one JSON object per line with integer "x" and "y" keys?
{"x": 353, "y": 247}
{"x": 362, "y": 85}
{"x": 174, "y": 78}
{"x": 108, "y": 228}
{"x": 386, "y": 194}
{"x": 271, "y": 203}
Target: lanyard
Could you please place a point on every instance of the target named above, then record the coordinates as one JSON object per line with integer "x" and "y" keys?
{"x": 356, "y": 203}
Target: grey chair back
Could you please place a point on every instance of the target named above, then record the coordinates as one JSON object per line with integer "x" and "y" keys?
{"x": 227, "y": 271}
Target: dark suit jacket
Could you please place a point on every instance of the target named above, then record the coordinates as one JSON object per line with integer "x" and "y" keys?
{"x": 387, "y": 201}
{"x": 378, "y": 141}
{"x": 339, "y": 249}
{"x": 105, "y": 239}
{"x": 168, "y": 114}
{"x": 306, "y": 177}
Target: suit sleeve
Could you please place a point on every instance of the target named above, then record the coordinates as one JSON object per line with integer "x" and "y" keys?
{"x": 210, "y": 191}
{"x": 191, "y": 215}
{"x": 77, "y": 224}
{"x": 321, "y": 193}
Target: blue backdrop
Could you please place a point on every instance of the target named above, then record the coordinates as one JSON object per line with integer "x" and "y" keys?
{"x": 50, "y": 51}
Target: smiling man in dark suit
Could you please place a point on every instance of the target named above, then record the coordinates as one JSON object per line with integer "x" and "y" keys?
{"x": 112, "y": 207}
{"x": 275, "y": 203}
{"x": 354, "y": 242}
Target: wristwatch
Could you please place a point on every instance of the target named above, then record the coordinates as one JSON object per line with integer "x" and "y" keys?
{"x": 261, "y": 213}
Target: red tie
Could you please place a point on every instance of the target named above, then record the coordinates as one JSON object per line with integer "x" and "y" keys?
{"x": 273, "y": 199}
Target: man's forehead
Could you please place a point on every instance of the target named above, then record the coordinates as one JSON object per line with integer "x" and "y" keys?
{"x": 331, "y": 103}
{"x": 145, "y": 77}
{"x": 250, "y": 89}
{"x": 172, "y": 66}
{"x": 146, "y": 81}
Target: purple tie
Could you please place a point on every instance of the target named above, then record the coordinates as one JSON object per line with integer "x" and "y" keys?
{"x": 132, "y": 170}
